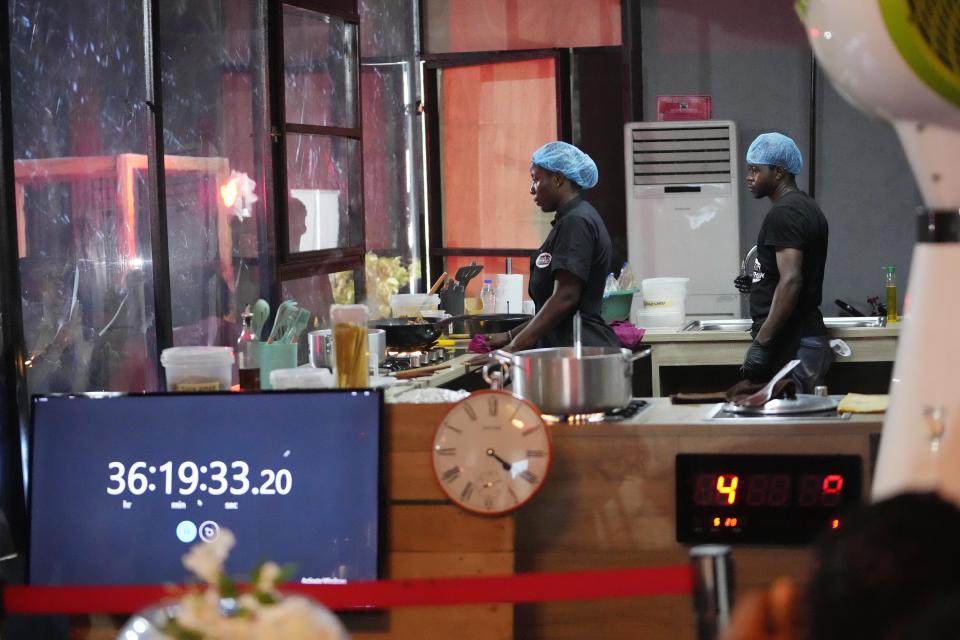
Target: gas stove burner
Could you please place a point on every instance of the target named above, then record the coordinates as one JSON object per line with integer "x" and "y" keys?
{"x": 575, "y": 418}
{"x": 402, "y": 360}
{"x": 614, "y": 415}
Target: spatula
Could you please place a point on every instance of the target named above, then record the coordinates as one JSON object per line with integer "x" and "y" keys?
{"x": 764, "y": 395}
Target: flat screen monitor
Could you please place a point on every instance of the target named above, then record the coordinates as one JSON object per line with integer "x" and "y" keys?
{"x": 122, "y": 485}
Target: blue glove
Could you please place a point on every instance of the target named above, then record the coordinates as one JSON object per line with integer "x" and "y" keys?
{"x": 756, "y": 363}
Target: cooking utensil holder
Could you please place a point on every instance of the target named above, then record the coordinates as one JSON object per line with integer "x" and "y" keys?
{"x": 451, "y": 301}
{"x": 276, "y": 355}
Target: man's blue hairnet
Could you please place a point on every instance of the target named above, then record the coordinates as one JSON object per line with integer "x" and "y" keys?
{"x": 775, "y": 149}
{"x": 565, "y": 158}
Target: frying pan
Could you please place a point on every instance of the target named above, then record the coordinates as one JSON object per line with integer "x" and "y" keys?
{"x": 409, "y": 334}
{"x": 486, "y": 323}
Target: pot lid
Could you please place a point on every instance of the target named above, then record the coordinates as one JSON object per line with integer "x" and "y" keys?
{"x": 804, "y": 403}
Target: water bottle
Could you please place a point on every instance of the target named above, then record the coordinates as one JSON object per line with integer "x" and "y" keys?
{"x": 625, "y": 281}
{"x": 611, "y": 285}
{"x": 487, "y": 297}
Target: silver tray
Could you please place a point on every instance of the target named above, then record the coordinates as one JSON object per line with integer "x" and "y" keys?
{"x": 805, "y": 403}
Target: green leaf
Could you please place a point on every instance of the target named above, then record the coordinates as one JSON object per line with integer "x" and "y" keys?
{"x": 227, "y": 587}
{"x": 173, "y": 629}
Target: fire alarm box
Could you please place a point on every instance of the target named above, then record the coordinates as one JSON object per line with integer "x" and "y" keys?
{"x": 684, "y": 108}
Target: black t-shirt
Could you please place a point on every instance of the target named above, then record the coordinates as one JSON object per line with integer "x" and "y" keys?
{"x": 578, "y": 243}
{"x": 794, "y": 222}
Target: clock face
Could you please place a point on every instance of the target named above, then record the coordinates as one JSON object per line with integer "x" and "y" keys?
{"x": 491, "y": 452}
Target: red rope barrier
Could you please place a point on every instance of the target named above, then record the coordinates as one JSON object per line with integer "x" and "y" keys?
{"x": 382, "y": 594}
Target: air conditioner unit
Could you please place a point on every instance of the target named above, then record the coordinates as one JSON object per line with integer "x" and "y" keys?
{"x": 683, "y": 209}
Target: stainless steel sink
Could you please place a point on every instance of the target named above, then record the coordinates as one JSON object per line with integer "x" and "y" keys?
{"x": 743, "y": 324}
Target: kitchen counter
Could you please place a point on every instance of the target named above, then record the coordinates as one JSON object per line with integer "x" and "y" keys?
{"x": 675, "y": 348}
{"x": 458, "y": 368}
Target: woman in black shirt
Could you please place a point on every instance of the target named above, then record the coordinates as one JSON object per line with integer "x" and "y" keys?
{"x": 568, "y": 272}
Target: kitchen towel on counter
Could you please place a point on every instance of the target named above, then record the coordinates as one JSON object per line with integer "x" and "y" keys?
{"x": 509, "y": 293}
{"x": 863, "y": 403}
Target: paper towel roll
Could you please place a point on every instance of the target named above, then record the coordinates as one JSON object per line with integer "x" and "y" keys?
{"x": 509, "y": 293}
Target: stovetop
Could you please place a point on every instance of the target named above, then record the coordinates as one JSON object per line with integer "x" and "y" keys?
{"x": 614, "y": 415}
{"x": 719, "y": 415}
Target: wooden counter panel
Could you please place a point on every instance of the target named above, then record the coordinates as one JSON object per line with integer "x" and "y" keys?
{"x": 412, "y": 426}
{"x": 410, "y": 477}
{"x": 444, "y": 527}
{"x": 450, "y": 564}
{"x": 614, "y": 619}
{"x": 473, "y": 622}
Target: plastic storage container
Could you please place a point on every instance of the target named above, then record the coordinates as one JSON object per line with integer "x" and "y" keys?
{"x": 616, "y": 305}
{"x": 197, "y": 368}
{"x": 350, "y": 345}
{"x": 653, "y": 319}
{"x": 665, "y": 294}
{"x": 302, "y": 378}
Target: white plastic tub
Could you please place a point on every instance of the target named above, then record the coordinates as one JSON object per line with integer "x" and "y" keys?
{"x": 665, "y": 294}
{"x": 653, "y": 319}
{"x": 197, "y": 368}
{"x": 302, "y": 378}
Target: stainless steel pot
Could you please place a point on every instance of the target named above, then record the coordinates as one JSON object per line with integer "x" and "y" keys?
{"x": 558, "y": 382}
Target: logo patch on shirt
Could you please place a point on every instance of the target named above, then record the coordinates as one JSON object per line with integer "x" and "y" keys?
{"x": 544, "y": 260}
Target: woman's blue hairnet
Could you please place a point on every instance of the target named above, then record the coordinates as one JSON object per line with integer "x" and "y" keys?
{"x": 562, "y": 157}
{"x": 775, "y": 149}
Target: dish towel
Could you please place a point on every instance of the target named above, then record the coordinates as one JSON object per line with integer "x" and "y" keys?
{"x": 628, "y": 334}
{"x": 863, "y": 403}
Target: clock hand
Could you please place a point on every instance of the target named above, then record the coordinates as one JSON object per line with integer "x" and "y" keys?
{"x": 506, "y": 465}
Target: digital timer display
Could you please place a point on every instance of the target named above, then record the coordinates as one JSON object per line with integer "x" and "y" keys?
{"x": 763, "y": 498}
{"x": 122, "y": 485}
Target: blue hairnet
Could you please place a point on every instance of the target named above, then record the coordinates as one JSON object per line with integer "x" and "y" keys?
{"x": 565, "y": 158}
{"x": 775, "y": 149}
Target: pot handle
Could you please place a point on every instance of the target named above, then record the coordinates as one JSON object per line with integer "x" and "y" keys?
{"x": 504, "y": 357}
{"x": 643, "y": 353}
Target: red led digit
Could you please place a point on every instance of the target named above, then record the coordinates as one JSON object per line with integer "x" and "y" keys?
{"x": 703, "y": 494}
{"x": 779, "y": 490}
{"x": 830, "y": 490}
{"x": 811, "y": 489}
{"x": 832, "y": 484}
{"x": 728, "y": 490}
{"x": 757, "y": 489}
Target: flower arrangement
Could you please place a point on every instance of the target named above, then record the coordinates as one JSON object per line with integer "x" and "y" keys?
{"x": 225, "y": 610}
{"x": 385, "y": 277}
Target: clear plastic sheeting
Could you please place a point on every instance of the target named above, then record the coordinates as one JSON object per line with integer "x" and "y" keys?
{"x": 80, "y": 124}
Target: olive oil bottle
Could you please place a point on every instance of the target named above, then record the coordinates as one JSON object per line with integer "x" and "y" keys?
{"x": 890, "y": 286}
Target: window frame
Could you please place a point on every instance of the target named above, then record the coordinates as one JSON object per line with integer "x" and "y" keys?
{"x": 296, "y": 265}
{"x": 435, "y": 253}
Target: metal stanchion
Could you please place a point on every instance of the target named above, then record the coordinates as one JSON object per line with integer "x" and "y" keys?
{"x": 712, "y": 589}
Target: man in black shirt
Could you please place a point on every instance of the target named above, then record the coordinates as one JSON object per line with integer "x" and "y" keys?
{"x": 788, "y": 273}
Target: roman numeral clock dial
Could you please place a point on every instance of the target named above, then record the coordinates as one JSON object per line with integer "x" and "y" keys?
{"x": 491, "y": 452}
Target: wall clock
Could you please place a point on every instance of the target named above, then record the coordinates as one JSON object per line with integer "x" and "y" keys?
{"x": 491, "y": 452}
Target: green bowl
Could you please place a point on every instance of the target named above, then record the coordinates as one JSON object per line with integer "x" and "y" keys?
{"x": 616, "y": 305}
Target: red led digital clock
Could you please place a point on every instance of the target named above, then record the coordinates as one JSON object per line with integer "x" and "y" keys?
{"x": 764, "y": 498}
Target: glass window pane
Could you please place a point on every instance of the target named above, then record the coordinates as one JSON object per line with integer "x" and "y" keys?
{"x": 80, "y": 129}
{"x": 493, "y": 118}
{"x": 320, "y": 75}
{"x": 501, "y": 25}
{"x": 323, "y": 174}
{"x": 392, "y": 147}
{"x": 216, "y": 172}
